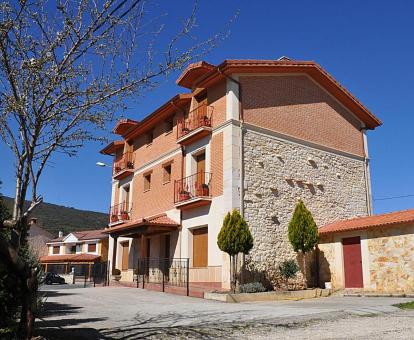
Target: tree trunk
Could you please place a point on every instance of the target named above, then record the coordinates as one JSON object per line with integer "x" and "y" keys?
{"x": 305, "y": 277}
{"x": 29, "y": 297}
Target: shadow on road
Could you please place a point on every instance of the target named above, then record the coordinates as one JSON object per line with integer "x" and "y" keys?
{"x": 63, "y": 328}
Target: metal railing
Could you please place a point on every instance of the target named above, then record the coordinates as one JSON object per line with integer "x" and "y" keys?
{"x": 120, "y": 212}
{"x": 201, "y": 116}
{"x": 125, "y": 162}
{"x": 96, "y": 273}
{"x": 197, "y": 185}
{"x": 165, "y": 272}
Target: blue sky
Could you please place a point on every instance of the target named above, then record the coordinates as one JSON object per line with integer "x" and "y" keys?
{"x": 366, "y": 45}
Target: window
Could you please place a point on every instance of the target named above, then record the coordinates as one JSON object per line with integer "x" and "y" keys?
{"x": 150, "y": 137}
{"x": 73, "y": 249}
{"x": 56, "y": 250}
{"x": 200, "y": 247}
{"x": 169, "y": 124}
{"x": 92, "y": 248}
{"x": 125, "y": 253}
{"x": 166, "y": 173}
{"x": 147, "y": 182}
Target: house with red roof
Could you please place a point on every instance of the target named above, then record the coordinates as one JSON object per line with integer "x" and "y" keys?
{"x": 77, "y": 249}
{"x": 372, "y": 253}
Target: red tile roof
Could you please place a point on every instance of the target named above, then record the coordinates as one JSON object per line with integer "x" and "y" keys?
{"x": 70, "y": 258}
{"x": 158, "y": 220}
{"x": 360, "y": 223}
{"x": 85, "y": 235}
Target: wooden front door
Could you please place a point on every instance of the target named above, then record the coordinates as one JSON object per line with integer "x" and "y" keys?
{"x": 201, "y": 169}
{"x": 352, "y": 262}
{"x": 200, "y": 247}
{"x": 125, "y": 254}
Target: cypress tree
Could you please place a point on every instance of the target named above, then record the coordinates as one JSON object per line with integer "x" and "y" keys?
{"x": 303, "y": 232}
{"x": 234, "y": 238}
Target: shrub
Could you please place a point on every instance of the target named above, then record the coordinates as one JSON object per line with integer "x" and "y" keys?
{"x": 254, "y": 287}
{"x": 234, "y": 238}
{"x": 288, "y": 269}
{"x": 303, "y": 232}
{"x": 116, "y": 271}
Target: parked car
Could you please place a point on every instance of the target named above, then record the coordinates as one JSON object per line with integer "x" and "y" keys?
{"x": 52, "y": 278}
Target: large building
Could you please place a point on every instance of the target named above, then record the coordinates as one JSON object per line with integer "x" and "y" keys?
{"x": 252, "y": 135}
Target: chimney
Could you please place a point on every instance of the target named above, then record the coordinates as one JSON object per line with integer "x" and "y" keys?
{"x": 60, "y": 233}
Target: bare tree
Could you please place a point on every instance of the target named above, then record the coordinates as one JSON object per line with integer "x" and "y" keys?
{"x": 65, "y": 68}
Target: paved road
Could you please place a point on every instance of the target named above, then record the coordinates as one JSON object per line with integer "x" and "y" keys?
{"x": 130, "y": 313}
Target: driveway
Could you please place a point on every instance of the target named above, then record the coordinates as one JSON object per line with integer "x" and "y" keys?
{"x": 131, "y": 313}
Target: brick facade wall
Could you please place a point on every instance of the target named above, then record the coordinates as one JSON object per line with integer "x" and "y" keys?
{"x": 277, "y": 173}
{"x": 160, "y": 197}
{"x": 163, "y": 143}
{"x": 216, "y": 97}
{"x": 296, "y": 106}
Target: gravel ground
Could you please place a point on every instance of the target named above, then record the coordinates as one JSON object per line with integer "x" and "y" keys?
{"x": 130, "y": 313}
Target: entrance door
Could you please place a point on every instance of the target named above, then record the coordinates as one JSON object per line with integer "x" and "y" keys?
{"x": 201, "y": 169}
{"x": 352, "y": 262}
{"x": 125, "y": 254}
{"x": 200, "y": 247}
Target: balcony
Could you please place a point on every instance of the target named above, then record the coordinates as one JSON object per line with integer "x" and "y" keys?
{"x": 193, "y": 191}
{"x": 196, "y": 125}
{"x": 120, "y": 213}
{"x": 124, "y": 166}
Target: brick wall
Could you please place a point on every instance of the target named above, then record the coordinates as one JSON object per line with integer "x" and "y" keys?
{"x": 216, "y": 97}
{"x": 160, "y": 197}
{"x": 296, "y": 106}
{"x": 163, "y": 143}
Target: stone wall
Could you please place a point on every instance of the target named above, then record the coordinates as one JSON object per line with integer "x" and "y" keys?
{"x": 279, "y": 172}
{"x": 391, "y": 263}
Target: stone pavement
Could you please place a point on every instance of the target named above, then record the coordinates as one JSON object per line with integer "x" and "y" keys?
{"x": 131, "y": 313}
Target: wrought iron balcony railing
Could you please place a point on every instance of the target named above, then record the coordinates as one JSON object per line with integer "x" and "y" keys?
{"x": 194, "y": 186}
{"x": 120, "y": 212}
{"x": 124, "y": 163}
{"x": 201, "y": 116}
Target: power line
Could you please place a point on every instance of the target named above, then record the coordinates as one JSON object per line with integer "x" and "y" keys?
{"x": 394, "y": 197}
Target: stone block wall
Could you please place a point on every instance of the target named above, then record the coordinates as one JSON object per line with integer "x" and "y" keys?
{"x": 277, "y": 173}
{"x": 391, "y": 262}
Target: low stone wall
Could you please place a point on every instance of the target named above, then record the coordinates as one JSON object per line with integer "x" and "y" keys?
{"x": 392, "y": 259}
{"x": 69, "y": 278}
{"x": 269, "y": 296}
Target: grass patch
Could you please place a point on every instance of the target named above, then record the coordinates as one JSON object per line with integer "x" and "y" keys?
{"x": 406, "y": 305}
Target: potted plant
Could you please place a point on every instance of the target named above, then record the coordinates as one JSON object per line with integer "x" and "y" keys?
{"x": 117, "y": 169}
{"x": 183, "y": 195}
{"x": 202, "y": 190}
{"x": 124, "y": 215}
{"x": 114, "y": 217}
{"x": 116, "y": 274}
{"x": 205, "y": 121}
{"x": 185, "y": 130}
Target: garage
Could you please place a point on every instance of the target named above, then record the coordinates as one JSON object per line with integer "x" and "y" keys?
{"x": 373, "y": 253}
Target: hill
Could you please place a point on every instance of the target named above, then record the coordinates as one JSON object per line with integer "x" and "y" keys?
{"x": 55, "y": 218}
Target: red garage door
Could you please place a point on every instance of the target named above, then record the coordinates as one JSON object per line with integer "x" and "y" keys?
{"x": 352, "y": 262}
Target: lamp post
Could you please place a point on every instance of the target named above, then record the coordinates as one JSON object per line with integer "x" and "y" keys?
{"x": 102, "y": 165}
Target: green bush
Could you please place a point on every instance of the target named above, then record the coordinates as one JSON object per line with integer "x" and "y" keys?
{"x": 288, "y": 269}
{"x": 254, "y": 287}
{"x": 234, "y": 238}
